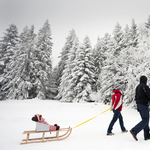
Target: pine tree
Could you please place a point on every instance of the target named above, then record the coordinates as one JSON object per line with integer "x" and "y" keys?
{"x": 84, "y": 72}
{"x": 126, "y": 37}
{"x": 106, "y": 51}
{"x": 64, "y": 57}
{"x": 55, "y": 82}
{"x": 65, "y": 50}
{"x": 147, "y": 28}
{"x": 18, "y": 70}
{"x": 100, "y": 55}
{"x": 43, "y": 62}
{"x": 108, "y": 72}
{"x": 112, "y": 73}
{"x": 129, "y": 62}
{"x": 7, "y": 45}
{"x": 147, "y": 24}
{"x": 118, "y": 70}
{"x": 133, "y": 34}
{"x": 97, "y": 62}
{"x": 118, "y": 35}
{"x": 7, "y": 50}
{"x": 68, "y": 80}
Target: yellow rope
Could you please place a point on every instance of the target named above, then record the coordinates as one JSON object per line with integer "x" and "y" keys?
{"x": 90, "y": 119}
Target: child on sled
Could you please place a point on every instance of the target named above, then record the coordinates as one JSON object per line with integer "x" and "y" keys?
{"x": 38, "y": 118}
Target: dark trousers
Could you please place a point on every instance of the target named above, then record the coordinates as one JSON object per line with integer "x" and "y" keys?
{"x": 144, "y": 124}
{"x": 117, "y": 115}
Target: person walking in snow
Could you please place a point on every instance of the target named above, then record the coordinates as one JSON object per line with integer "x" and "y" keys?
{"x": 142, "y": 97}
{"x": 117, "y": 103}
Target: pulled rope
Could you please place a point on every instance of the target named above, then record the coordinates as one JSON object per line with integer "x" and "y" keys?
{"x": 91, "y": 118}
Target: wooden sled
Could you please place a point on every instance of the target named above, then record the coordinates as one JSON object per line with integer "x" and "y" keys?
{"x": 61, "y": 134}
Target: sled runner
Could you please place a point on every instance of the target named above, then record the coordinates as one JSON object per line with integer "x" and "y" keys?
{"x": 60, "y": 134}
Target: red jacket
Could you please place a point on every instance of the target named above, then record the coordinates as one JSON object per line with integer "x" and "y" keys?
{"x": 117, "y": 100}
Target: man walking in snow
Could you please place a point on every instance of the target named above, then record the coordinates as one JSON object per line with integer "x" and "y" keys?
{"x": 117, "y": 103}
{"x": 142, "y": 97}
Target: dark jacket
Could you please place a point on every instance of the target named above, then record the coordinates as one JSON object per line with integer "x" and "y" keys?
{"x": 142, "y": 93}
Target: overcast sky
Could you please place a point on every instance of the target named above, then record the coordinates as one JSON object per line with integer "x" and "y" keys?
{"x": 87, "y": 17}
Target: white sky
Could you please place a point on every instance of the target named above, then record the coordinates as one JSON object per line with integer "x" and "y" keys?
{"x": 88, "y": 17}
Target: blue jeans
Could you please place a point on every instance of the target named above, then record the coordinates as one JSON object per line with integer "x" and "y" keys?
{"x": 144, "y": 124}
{"x": 117, "y": 115}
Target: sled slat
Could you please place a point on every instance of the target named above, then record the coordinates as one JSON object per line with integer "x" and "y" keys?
{"x": 47, "y": 139}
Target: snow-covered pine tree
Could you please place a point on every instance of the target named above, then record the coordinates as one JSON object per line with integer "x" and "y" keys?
{"x": 43, "y": 63}
{"x": 129, "y": 62}
{"x": 112, "y": 74}
{"x": 117, "y": 65}
{"x": 118, "y": 70}
{"x": 147, "y": 28}
{"x": 133, "y": 34}
{"x": 99, "y": 54}
{"x": 7, "y": 50}
{"x": 55, "y": 78}
{"x": 142, "y": 55}
{"x": 68, "y": 80}
{"x": 65, "y": 50}
{"x": 125, "y": 59}
{"x": 106, "y": 78}
{"x": 18, "y": 70}
{"x": 64, "y": 57}
{"x": 84, "y": 71}
{"x": 147, "y": 24}
{"x": 7, "y": 45}
{"x": 138, "y": 66}
{"x": 126, "y": 37}
{"x": 118, "y": 35}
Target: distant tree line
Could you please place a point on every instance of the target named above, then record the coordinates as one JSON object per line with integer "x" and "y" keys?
{"x": 116, "y": 60}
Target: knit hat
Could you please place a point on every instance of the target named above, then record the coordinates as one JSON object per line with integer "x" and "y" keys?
{"x": 117, "y": 88}
{"x": 39, "y": 117}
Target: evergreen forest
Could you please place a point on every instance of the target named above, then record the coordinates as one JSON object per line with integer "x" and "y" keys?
{"x": 83, "y": 73}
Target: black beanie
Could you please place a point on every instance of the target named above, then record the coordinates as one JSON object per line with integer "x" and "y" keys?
{"x": 143, "y": 79}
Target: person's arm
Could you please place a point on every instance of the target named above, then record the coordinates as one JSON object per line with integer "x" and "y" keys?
{"x": 135, "y": 94}
{"x": 113, "y": 102}
{"x": 147, "y": 91}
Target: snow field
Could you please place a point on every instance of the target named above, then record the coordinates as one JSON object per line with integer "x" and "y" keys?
{"x": 15, "y": 117}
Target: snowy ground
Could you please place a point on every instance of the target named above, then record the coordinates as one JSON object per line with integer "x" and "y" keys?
{"x": 15, "y": 117}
